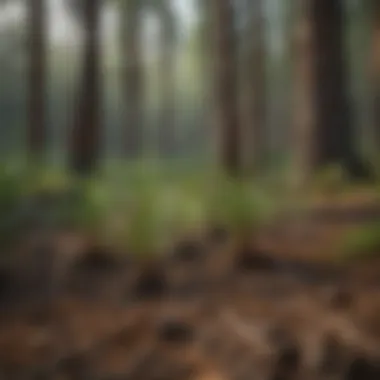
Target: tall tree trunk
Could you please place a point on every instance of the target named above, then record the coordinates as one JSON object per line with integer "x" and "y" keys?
{"x": 167, "y": 138}
{"x": 205, "y": 62}
{"x": 85, "y": 143}
{"x": 304, "y": 86}
{"x": 225, "y": 86}
{"x": 255, "y": 87}
{"x": 131, "y": 51}
{"x": 334, "y": 134}
{"x": 375, "y": 69}
{"x": 37, "y": 133}
{"x": 323, "y": 119}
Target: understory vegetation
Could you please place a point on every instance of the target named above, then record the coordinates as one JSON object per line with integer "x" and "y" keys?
{"x": 143, "y": 209}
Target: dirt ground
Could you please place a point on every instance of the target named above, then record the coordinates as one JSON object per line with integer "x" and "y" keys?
{"x": 288, "y": 314}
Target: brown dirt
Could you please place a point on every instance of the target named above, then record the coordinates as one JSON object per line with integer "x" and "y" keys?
{"x": 304, "y": 319}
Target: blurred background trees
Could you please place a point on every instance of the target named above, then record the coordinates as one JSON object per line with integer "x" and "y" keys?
{"x": 85, "y": 135}
{"x": 261, "y": 82}
{"x": 37, "y": 34}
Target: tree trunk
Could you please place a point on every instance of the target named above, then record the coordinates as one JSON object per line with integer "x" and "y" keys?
{"x": 304, "y": 75}
{"x": 167, "y": 138}
{"x": 205, "y": 62}
{"x": 225, "y": 86}
{"x": 334, "y": 133}
{"x": 324, "y": 133}
{"x": 255, "y": 91}
{"x": 86, "y": 134}
{"x": 37, "y": 134}
{"x": 131, "y": 51}
{"x": 375, "y": 69}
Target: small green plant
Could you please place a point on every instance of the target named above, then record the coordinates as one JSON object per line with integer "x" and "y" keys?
{"x": 239, "y": 206}
{"x": 332, "y": 180}
{"x": 143, "y": 233}
{"x": 375, "y": 162}
{"x": 146, "y": 231}
{"x": 84, "y": 206}
{"x": 362, "y": 243}
{"x": 185, "y": 211}
{"x": 162, "y": 211}
{"x": 11, "y": 204}
{"x": 45, "y": 197}
{"x": 46, "y": 180}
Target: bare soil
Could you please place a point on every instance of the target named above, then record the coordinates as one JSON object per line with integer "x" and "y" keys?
{"x": 304, "y": 317}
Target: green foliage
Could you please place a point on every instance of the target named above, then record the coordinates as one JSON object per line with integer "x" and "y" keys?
{"x": 145, "y": 207}
{"x": 364, "y": 243}
{"x": 57, "y": 200}
{"x": 185, "y": 208}
{"x": 159, "y": 205}
{"x": 10, "y": 188}
{"x": 11, "y": 199}
{"x": 145, "y": 233}
{"x": 163, "y": 205}
{"x": 45, "y": 180}
{"x": 140, "y": 208}
{"x": 84, "y": 206}
{"x": 34, "y": 197}
{"x": 375, "y": 160}
{"x": 332, "y": 180}
{"x": 239, "y": 205}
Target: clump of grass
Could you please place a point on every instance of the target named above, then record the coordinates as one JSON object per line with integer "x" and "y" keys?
{"x": 361, "y": 244}
{"x": 332, "y": 180}
{"x": 141, "y": 212}
{"x": 184, "y": 210}
{"x": 11, "y": 204}
{"x": 145, "y": 228}
{"x": 144, "y": 233}
{"x": 239, "y": 205}
{"x": 45, "y": 198}
{"x": 242, "y": 208}
{"x": 84, "y": 206}
{"x": 46, "y": 180}
{"x": 160, "y": 211}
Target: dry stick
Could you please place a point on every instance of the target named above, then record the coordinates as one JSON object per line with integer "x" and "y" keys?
{"x": 251, "y": 334}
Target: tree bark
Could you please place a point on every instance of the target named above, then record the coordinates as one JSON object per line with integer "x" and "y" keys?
{"x": 37, "y": 133}
{"x": 375, "y": 69}
{"x": 304, "y": 81}
{"x": 86, "y": 134}
{"x": 225, "y": 86}
{"x": 334, "y": 134}
{"x": 167, "y": 138}
{"x": 206, "y": 59}
{"x": 324, "y": 133}
{"x": 132, "y": 61}
{"x": 255, "y": 91}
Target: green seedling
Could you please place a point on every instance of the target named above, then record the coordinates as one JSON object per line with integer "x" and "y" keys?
{"x": 332, "y": 180}
{"x": 363, "y": 243}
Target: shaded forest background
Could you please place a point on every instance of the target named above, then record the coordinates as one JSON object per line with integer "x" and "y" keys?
{"x": 189, "y": 189}
{"x": 189, "y": 106}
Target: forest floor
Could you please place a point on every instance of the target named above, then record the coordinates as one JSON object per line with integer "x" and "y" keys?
{"x": 298, "y": 314}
